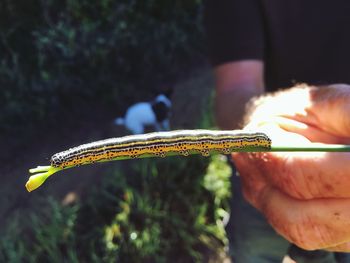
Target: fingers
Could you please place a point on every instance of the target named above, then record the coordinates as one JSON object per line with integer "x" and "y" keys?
{"x": 331, "y": 106}
{"x": 279, "y": 127}
{"x": 313, "y": 224}
{"x": 305, "y": 175}
{"x": 304, "y": 196}
{"x": 309, "y": 131}
{"x": 324, "y": 110}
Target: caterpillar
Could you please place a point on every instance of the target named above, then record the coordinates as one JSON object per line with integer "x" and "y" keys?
{"x": 183, "y": 142}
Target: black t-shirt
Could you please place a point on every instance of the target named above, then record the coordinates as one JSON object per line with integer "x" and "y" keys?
{"x": 298, "y": 40}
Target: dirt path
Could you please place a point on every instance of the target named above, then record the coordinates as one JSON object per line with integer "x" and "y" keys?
{"x": 18, "y": 155}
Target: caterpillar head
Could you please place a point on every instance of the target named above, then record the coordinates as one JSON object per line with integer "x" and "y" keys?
{"x": 57, "y": 160}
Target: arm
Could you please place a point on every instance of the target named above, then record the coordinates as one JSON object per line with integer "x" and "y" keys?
{"x": 236, "y": 42}
{"x": 236, "y": 83}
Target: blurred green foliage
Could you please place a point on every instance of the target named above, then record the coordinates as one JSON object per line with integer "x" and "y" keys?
{"x": 164, "y": 210}
{"x": 57, "y": 55}
{"x": 46, "y": 235}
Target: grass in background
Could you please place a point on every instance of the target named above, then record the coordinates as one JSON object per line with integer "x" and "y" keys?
{"x": 147, "y": 210}
{"x": 164, "y": 210}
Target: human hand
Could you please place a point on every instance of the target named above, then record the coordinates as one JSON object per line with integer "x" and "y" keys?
{"x": 304, "y": 196}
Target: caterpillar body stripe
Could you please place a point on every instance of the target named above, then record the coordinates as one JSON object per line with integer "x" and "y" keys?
{"x": 183, "y": 142}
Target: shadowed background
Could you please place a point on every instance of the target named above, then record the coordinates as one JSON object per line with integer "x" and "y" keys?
{"x": 67, "y": 69}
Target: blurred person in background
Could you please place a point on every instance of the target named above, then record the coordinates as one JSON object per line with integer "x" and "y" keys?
{"x": 257, "y": 47}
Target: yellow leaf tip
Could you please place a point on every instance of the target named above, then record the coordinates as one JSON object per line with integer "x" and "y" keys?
{"x": 40, "y": 174}
{"x": 29, "y": 187}
{"x": 35, "y": 181}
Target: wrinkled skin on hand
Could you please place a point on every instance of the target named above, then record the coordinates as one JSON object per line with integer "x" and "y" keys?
{"x": 304, "y": 196}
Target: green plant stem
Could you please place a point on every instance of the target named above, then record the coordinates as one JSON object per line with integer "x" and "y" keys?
{"x": 316, "y": 148}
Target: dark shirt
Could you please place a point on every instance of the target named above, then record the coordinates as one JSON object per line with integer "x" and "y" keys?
{"x": 298, "y": 40}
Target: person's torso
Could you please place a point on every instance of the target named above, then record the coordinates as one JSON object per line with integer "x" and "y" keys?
{"x": 306, "y": 41}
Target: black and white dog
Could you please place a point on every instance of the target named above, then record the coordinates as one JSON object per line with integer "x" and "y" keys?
{"x": 155, "y": 113}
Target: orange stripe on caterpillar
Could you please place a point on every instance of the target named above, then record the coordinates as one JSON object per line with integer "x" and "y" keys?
{"x": 182, "y": 142}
